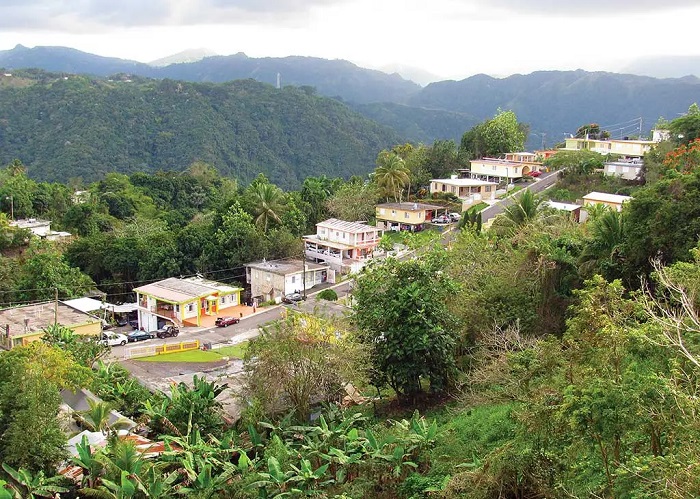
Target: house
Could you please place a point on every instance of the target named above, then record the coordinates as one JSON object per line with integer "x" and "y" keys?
{"x": 273, "y": 280}
{"x": 627, "y": 148}
{"x": 614, "y": 201}
{"x": 183, "y": 301}
{"x": 24, "y": 324}
{"x": 39, "y": 228}
{"x": 544, "y": 154}
{"x": 573, "y": 209}
{"x": 345, "y": 246}
{"x": 627, "y": 169}
{"x": 497, "y": 170}
{"x": 405, "y": 216}
{"x": 469, "y": 190}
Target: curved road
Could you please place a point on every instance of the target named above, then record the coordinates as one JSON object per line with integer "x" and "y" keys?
{"x": 541, "y": 184}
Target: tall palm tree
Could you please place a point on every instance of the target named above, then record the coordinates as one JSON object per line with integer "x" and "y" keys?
{"x": 524, "y": 210}
{"x": 266, "y": 201}
{"x": 391, "y": 174}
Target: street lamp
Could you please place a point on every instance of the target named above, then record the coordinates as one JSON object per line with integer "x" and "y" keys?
{"x": 12, "y": 207}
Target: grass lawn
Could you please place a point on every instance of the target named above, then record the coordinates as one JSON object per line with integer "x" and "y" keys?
{"x": 234, "y": 351}
{"x": 477, "y": 207}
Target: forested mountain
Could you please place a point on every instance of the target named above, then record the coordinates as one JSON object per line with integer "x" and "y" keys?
{"x": 336, "y": 78}
{"x": 75, "y": 126}
{"x": 557, "y": 102}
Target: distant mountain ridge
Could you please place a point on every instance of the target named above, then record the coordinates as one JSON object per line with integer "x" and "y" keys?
{"x": 553, "y": 103}
{"x": 190, "y": 55}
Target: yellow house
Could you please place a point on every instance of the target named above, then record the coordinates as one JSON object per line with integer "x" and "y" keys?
{"x": 405, "y": 216}
{"x": 628, "y": 148}
{"x": 183, "y": 301}
{"x": 614, "y": 201}
{"x": 469, "y": 190}
{"x": 22, "y": 325}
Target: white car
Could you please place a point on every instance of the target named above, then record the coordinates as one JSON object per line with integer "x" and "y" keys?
{"x": 454, "y": 216}
{"x": 113, "y": 339}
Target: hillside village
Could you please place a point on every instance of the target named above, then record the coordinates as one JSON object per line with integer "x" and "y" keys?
{"x": 466, "y": 321}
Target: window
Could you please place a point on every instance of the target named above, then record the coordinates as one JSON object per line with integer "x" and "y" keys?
{"x": 443, "y": 187}
{"x": 190, "y": 307}
{"x": 493, "y": 167}
{"x": 294, "y": 279}
{"x": 487, "y": 188}
{"x": 393, "y": 212}
{"x": 381, "y": 211}
{"x": 176, "y": 308}
{"x": 222, "y": 300}
{"x": 406, "y": 215}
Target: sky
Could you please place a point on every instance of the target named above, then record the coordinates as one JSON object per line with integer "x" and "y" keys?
{"x": 446, "y": 38}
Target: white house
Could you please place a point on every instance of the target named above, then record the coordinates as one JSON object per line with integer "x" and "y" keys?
{"x": 273, "y": 280}
{"x": 344, "y": 246}
{"x": 469, "y": 190}
{"x": 614, "y": 201}
{"x": 629, "y": 170}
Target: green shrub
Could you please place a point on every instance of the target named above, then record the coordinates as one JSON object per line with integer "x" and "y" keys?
{"x": 328, "y": 295}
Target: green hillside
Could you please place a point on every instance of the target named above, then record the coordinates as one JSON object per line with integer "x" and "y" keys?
{"x": 76, "y": 126}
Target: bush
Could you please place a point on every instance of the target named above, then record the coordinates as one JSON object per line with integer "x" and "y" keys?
{"x": 328, "y": 295}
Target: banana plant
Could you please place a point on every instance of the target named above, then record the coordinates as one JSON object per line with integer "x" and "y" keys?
{"x": 308, "y": 477}
{"x": 29, "y": 486}
{"x": 275, "y": 479}
{"x": 92, "y": 465}
{"x": 5, "y": 491}
{"x": 126, "y": 488}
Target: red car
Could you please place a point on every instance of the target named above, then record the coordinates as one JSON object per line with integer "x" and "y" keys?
{"x": 535, "y": 173}
{"x": 226, "y": 321}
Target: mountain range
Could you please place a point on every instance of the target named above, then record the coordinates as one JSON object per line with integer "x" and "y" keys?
{"x": 553, "y": 103}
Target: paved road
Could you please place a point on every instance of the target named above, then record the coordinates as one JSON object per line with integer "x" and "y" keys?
{"x": 542, "y": 183}
{"x": 247, "y": 328}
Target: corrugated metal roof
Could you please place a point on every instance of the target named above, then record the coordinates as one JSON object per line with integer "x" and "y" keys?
{"x": 605, "y": 197}
{"x": 410, "y": 206}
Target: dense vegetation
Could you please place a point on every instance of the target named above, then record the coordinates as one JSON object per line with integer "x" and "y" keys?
{"x": 74, "y": 126}
{"x": 552, "y": 102}
{"x": 546, "y": 358}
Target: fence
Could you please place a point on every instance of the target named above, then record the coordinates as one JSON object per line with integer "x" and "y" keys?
{"x": 149, "y": 351}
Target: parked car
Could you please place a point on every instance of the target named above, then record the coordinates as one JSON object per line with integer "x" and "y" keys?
{"x": 292, "y": 298}
{"x": 168, "y": 331}
{"x": 226, "y": 321}
{"x": 442, "y": 219}
{"x": 122, "y": 321}
{"x": 535, "y": 173}
{"x": 113, "y": 339}
{"x": 134, "y": 323}
{"x": 455, "y": 217}
{"x": 139, "y": 335}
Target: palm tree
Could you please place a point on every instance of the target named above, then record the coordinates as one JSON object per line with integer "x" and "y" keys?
{"x": 524, "y": 210}
{"x": 602, "y": 251}
{"x": 96, "y": 418}
{"x": 266, "y": 201}
{"x": 391, "y": 174}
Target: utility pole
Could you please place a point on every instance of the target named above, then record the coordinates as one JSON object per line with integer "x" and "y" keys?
{"x": 55, "y": 308}
{"x": 12, "y": 207}
{"x": 303, "y": 272}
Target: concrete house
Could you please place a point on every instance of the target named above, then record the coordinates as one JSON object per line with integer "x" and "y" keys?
{"x": 497, "y": 170}
{"x": 626, "y": 148}
{"x": 469, "y": 190}
{"x": 614, "y": 201}
{"x": 22, "y": 325}
{"x": 405, "y": 216}
{"x": 183, "y": 301}
{"x": 273, "y": 280}
{"x": 344, "y": 246}
{"x": 629, "y": 170}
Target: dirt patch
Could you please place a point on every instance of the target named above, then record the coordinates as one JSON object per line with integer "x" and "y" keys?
{"x": 160, "y": 370}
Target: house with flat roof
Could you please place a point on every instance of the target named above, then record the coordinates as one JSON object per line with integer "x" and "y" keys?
{"x": 573, "y": 209}
{"x": 24, "y": 324}
{"x": 469, "y": 190}
{"x": 614, "y": 201}
{"x": 344, "y": 246}
{"x": 627, "y": 148}
{"x": 183, "y": 301}
{"x": 627, "y": 169}
{"x": 273, "y": 280}
{"x": 39, "y": 228}
{"x": 497, "y": 170}
{"x": 406, "y": 216}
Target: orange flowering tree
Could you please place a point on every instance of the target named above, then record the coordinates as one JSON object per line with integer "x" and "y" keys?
{"x": 685, "y": 158}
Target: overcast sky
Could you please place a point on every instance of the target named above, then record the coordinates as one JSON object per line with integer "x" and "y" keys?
{"x": 449, "y": 38}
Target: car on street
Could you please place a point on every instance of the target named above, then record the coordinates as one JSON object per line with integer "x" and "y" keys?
{"x": 442, "y": 219}
{"x": 455, "y": 217}
{"x": 113, "y": 339}
{"x": 535, "y": 173}
{"x": 226, "y": 321}
{"x": 168, "y": 331}
{"x": 139, "y": 335}
{"x": 292, "y": 298}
